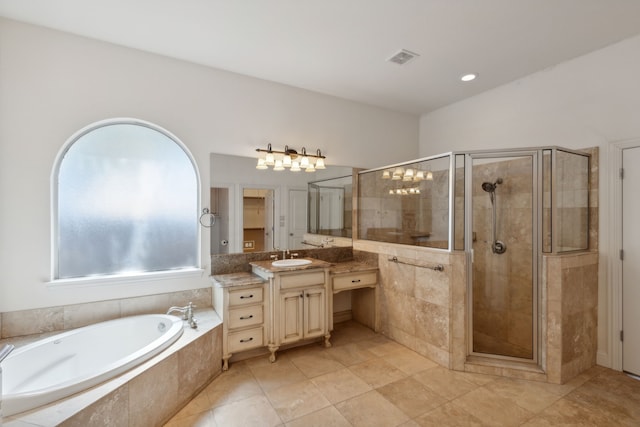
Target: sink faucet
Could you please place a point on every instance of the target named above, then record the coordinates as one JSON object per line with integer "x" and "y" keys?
{"x": 187, "y": 314}
{"x": 285, "y": 252}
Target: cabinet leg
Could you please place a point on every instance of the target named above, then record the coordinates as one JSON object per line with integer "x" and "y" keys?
{"x": 272, "y": 356}
{"x": 225, "y": 362}
{"x": 327, "y": 344}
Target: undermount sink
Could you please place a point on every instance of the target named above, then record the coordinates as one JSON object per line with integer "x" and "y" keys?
{"x": 290, "y": 262}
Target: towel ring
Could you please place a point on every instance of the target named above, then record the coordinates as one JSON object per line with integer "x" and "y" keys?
{"x": 207, "y": 219}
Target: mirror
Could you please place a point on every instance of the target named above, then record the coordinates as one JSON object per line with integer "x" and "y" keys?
{"x": 330, "y": 207}
{"x": 260, "y": 210}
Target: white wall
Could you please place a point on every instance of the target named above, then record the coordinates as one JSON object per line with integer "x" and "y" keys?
{"x": 52, "y": 84}
{"x": 589, "y": 101}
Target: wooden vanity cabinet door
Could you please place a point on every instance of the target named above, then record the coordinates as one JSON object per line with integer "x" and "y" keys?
{"x": 314, "y": 312}
{"x": 291, "y": 319}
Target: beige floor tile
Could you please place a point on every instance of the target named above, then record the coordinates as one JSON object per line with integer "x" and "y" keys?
{"x": 371, "y": 410}
{"x": 565, "y": 412}
{"x": 277, "y": 374}
{"x": 615, "y": 404}
{"x": 492, "y": 409}
{"x": 411, "y": 396}
{"x": 328, "y": 416}
{"x": 235, "y": 384}
{"x": 350, "y": 354}
{"x": 197, "y": 405}
{"x": 254, "y": 411}
{"x": 202, "y": 419}
{"x": 340, "y": 385}
{"x": 314, "y": 364}
{"x": 377, "y": 372}
{"x": 529, "y": 395}
{"x": 409, "y": 423}
{"x": 448, "y": 415}
{"x": 408, "y": 361}
{"x": 349, "y": 332}
{"x": 381, "y": 346}
{"x": 445, "y": 382}
{"x": 296, "y": 400}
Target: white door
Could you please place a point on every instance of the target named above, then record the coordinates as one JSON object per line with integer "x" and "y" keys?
{"x": 631, "y": 262}
{"x": 297, "y": 218}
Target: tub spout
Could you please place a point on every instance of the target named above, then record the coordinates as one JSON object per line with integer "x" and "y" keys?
{"x": 187, "y": 314}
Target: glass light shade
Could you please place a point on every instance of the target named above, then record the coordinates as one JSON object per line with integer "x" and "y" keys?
{"x": 286, "y": 161}
{"x": 386, "y": 174}
{"x": 295, "y": 166}
{"x": 320, "y": 164}
{"x": 310, "y": 168}
{"x": 408, "y": 175}
{"x": 390, "y": 191}
{"x": 261, "y": 164}
{"x": 429, "y": 176}
{"x": 304, "y": 162}
{"x": 278, "y": 166}
{"x": 269, "y": 159}
{"x": 419, "y": 176}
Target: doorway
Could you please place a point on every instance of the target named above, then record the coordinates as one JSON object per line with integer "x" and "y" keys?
{"x": 630, "y": 332}
{"x": 503, "y": 286}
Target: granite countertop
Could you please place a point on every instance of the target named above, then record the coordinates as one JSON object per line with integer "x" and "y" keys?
{"x": 351, "y": 267}
{"x": 236, "y": 280}
{"x": 266, "y": 266}
{"x": 248, "y": 279}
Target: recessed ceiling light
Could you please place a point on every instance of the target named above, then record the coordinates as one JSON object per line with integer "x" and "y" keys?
{"x": 469, "y": 77}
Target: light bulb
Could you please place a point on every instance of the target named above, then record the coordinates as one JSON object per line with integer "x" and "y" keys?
{"x": 261, "y": 164}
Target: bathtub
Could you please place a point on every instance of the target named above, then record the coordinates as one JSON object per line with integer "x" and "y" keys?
{"x": 63, "y": 364}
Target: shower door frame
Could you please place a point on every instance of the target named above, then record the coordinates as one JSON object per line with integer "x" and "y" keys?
{"x": 536, "y": 244}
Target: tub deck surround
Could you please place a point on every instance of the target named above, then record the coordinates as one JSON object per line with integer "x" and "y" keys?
{"x": 76, "y": 360}
{"x": 150, "y": 393}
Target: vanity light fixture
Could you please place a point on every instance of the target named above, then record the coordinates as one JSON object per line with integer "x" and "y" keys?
{"x": 290, "y": 159}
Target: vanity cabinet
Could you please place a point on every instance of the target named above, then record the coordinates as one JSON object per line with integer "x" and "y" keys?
{"x": 302, "y": 314}
{"x": 361, "y": 281}
{"x": 244, "y": 309}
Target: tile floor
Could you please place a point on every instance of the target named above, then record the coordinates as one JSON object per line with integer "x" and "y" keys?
{"x": 368, "y": 380}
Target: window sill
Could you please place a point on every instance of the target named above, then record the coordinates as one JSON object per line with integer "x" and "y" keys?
{"x": 117, "y": 279}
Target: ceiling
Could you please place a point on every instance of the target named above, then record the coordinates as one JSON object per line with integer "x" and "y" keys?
{"x": 340, "y": 47}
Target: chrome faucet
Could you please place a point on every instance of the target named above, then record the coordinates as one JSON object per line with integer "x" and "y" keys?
{"x": 187, "y": 314}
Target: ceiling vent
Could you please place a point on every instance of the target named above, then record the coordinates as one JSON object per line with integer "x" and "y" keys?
{"x": 402, "y": 57}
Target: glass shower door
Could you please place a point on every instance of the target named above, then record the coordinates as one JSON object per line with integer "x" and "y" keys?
{"x": 503, "y": 289}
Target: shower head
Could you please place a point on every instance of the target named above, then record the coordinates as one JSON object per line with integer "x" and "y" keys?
{"x": 490, "y": 187}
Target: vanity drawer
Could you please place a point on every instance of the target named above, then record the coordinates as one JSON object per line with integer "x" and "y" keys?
{"x": 300, "y": 280}
{"x": 245, "y": 296}
{"x": 246, "y": 316}
{"x": 245, "y": 340}
{"x": 354, "y": 280}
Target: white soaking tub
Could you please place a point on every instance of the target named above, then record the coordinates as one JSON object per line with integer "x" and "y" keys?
{"x": 63, "y": 364}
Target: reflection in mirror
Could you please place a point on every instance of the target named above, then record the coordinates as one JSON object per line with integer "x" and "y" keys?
{"x": 259, "y": 210}
{"x": 330, "y": 206}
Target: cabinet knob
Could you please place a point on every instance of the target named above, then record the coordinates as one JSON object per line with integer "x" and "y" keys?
{"x": 301, "y": 294}
{"x": 355, "y": 281}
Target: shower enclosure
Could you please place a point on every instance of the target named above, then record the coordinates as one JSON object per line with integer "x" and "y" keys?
{"x": 505, "y": 209}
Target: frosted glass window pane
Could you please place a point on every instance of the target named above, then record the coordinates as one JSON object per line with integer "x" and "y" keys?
{"x": 127, "y": 202}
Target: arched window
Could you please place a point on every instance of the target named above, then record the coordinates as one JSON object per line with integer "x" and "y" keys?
{"x": 126, "y": 198}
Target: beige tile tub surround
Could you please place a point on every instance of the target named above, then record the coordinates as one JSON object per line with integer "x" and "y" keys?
{"x": 51, "y": 319}
{"x": 147, "y": 395}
